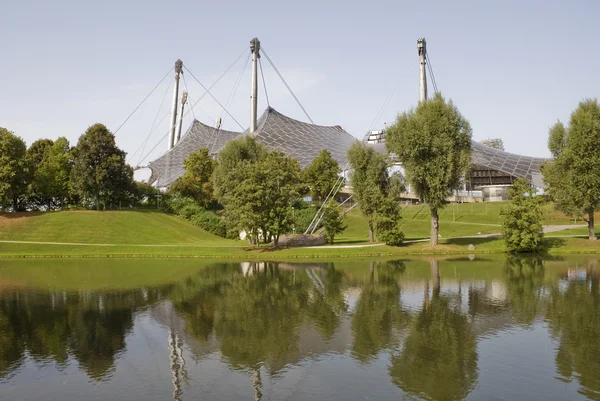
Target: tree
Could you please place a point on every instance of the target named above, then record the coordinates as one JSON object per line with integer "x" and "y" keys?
{"x": 257, "y": 188}
{"x": 321, "y": 175}
{"x": 100, "y": 172}
{"x": 522, "y": 219}
{"x": 333, "y": 223}
{"x": 573, "y": 177}
{"x": 196, "y": 182}
{"x": 433, "y": 143}
{"x": 51, "y": 164}
{"x": 557, "y": 138}
{"x": 369, "y": 179}
{"x": 495, "y": 143}
{"x": 389, "y": 228}
{"x": 14, "y": 170}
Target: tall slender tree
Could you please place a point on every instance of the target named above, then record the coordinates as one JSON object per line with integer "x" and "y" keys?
{"x": 370, "y": 182}
{"x": 433, "y": 143}
{"x": 573, "y": 177}
{"x": 14, "y": 170}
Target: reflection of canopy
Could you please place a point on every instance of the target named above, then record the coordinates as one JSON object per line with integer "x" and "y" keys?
{"x": 303, "y": 141}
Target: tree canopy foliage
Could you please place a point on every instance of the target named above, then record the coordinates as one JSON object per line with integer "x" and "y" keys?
{"x": 257, "y": 188}
{"x": 321, "y": 175}
{"x": 100, "y": 173}
{"x": 370, "y": 184}
{"x": 573, "y": 177}
{"x": 196, "y": 182}
{"x": 433, "y": 143}
{"x": 333, "y": 223}
{"x": 14, "y": 169}
{"x": 522, "y": 227}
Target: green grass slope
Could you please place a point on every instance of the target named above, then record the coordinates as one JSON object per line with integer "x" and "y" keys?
{"x": 106, "y": 227}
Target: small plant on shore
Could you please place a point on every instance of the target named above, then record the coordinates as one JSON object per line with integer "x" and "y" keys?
{"x": 522, "y": 219}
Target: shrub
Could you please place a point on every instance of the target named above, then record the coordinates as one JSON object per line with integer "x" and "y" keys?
{"x": 522, "y": 219}
{"x": 210, "y": 222}
{"x": 393, "y": 236}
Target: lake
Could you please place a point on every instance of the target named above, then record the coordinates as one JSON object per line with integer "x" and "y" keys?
{"x": 477, "y": 328}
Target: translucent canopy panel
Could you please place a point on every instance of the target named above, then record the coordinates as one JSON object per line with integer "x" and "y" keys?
{"x": 507, "y": 163}
{"x": 303, "y": 141}
{"x": 167, "y": 168}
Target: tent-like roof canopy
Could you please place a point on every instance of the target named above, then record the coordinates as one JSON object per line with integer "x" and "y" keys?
{"x": 300, "y": 140}
{"x": 169, "y": 167}
{"x": 303, "y": 141}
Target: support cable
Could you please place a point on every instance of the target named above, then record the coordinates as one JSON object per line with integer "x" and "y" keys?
{"x": 194, "y": 105}
{"x": 264, "y": 83}
{"x": 286, "y": 84}
{"x": 215, "y": 136}
{"x": 146, "y": 98}
{"x": 152, "y": 127}
{"x": 214, "y": 98}
{"x": 388, "y": 99}
{"x": 430, "y": 68}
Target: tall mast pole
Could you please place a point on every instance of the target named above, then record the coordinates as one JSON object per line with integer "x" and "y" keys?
{"x": 255, "y": 48}
{"x": 422, "y": 49}
{"x": 184, "y": 96}
{"x": 178, "y": 67}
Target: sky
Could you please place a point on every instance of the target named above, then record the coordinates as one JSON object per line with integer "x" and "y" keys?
{"x": 511, "y": 67}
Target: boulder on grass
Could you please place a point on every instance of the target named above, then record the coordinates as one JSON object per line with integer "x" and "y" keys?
{"x": 300, "y": 240}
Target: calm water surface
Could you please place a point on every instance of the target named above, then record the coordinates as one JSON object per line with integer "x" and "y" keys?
{"x": 483, "y": 329}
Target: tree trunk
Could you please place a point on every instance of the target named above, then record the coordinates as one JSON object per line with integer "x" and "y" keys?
{"x": 435, "y": 276}
{"x": 435, "y": 224}
{"x": 591, "y": 228}
{"x": 276, "y": 240}
{"x": 97, "y": 203}
{"x": 371, "y": 234}
{"x": 15, "y": 204}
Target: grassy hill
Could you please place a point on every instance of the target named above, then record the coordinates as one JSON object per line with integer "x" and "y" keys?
{"x": 107, "y": 227}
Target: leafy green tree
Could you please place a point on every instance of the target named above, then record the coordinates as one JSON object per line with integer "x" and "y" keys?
{"x": 389, "y": 227}
{"x": 230, "y": 173}
{"x": 522, "y": 227}
{"x": 321, "y": 175}
{"x": 51, "y": 164}
{"x": 370, "y": 183}
{"x": 557, "y": 138}
{"x": 196, "y": 182}
{"x": 573, "y": 177}
{"x": 332, "y": 222}
{"x": 100, "y": 172}
{"x": 433, "y": 143}
{"x": 14, "y": 170}
{"x": 146, "y": 194}
{"x": 257, "y": 188}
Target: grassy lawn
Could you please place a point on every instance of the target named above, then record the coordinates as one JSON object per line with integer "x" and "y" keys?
{"x": 107, "y": 227}
{"x": 156, "y": 234}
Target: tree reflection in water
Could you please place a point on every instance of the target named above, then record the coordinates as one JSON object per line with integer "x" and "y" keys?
{"x": 378, "y": 311}
{"x": 263, "y": 317}
{"x": 573, "y": 315}
{"x": 55, "y": 326}
{"x": 438, "y": 358}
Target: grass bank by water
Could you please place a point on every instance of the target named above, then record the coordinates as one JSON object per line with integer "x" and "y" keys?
{"x": 148, "y": 234}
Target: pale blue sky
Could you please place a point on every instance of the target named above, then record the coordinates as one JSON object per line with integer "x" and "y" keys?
{"x": 512, "y": 67}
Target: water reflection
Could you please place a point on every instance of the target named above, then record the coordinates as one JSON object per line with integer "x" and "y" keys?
{"x": 425, "y": 319}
